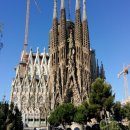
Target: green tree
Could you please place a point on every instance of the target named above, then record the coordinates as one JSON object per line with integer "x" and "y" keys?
{"x": 81, "y": 114}
{"x": 54, "y": 119}
{"x": 10, "y": 117}
{"x": 101, "y": 98}
{"x": 118, "y": 111}
{"x": 114, "y": 125}
{"x": 126, "y": 108}
{"x": 91, "y": 110}
{"x": 18, "y": 119}
{"x": 63, "y": 114}
{"x": 3, "y": 114}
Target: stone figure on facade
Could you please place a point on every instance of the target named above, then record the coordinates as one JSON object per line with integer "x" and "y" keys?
{"x": 71, "y": 43}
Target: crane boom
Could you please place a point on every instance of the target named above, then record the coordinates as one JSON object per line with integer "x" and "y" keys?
{"x": 27, "y": 26}
{"x": 27, "y": 23}
{"x": 125, "y": 73}
{"x": 37, "y": 5}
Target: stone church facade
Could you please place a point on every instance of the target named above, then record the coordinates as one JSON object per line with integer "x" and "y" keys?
{"x": 29, "y": 88}
{"x": 70, "y": 57}
{"x": 45, "y": 80}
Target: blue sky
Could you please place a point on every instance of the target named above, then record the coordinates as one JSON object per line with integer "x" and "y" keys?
{"x": 109, "y": 27}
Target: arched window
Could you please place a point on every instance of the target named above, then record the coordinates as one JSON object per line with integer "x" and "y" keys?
{"x": 76, "y": 128}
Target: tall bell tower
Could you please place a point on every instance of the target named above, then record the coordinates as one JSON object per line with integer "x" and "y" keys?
{"x": 70, "y": 57}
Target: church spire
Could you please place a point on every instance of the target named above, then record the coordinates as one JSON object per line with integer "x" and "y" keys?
{"x": 102, "y": 72}
{"x": 55, "y": 25}
{"x": 86, "y": 42}
{"x": 97, "y": 69}
{"x": 84, "y": 11}
{"x": 62, "y": 4}
{"x": 78, "y": 24}
{"x": 77, "y": 7}
{"x": 63, "y": 22}
{"x": 55, "y": 10}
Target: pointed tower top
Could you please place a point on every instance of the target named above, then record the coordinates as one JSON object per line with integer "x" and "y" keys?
{"x": 55, "y": 9}
{"x": 31, "y": 49}
{"x": 62, "y": 4}
{"x": 102, "y": 71}
{"x": 37, "y": 49}
{"x": 97, "y": 61}
{"x": 44, "y": 50}
{"x": 77, "y": 7}
{"x": 84, "y": 10}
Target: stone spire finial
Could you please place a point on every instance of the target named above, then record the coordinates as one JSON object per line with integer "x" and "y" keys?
{"x": 62, "y": 4}
{"x": 37, "y": 49}
{"x": 102, "y": 71}
{"x": 84, "y": 10}
{"x": 62, "y": 23}
{"x": 31, "y": 49}
{"x": 55, "y": 9}
{"x": 77, "y": 7}
{"x": 44, "y": 50}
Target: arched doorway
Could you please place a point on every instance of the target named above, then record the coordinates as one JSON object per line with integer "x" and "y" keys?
{"x": 76, "y": 128}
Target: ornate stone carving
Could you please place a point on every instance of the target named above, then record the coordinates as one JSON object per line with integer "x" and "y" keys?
{"x": 71, "y": 43}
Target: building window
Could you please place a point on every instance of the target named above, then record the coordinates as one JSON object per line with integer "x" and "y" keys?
{"x": 30, "y": 119}
{"x": 42, "y": 119}
{"x": 36, "y": 119}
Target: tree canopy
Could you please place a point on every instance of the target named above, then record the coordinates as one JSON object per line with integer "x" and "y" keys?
{"x": 80, "y": 115}
{"x": 10, "y": 119}
{"x": 63, "y": 114}
{"x": 126, "y": 109}
{"x": 101, "y": 98}
{"x": 118, "y": 111}
{"x": 3, "y": 114}
{"x": 100, "y": 106}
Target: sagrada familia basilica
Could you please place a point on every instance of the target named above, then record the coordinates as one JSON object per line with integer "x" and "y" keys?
{"x": 64, "y": 74}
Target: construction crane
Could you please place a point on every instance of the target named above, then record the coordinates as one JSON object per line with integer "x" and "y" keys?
{"x": 27, "y": 23}
{"x": 26, "y": 26}
{"x": 125, "y": 72}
